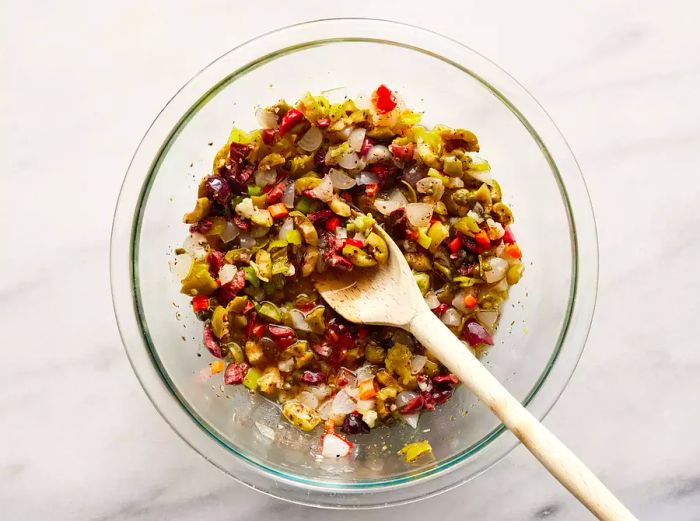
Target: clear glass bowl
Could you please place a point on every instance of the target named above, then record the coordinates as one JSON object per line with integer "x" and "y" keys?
{"x": 545, "y": 323}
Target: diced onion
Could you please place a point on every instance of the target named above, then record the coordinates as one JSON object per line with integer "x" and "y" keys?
{"x": 386, "y": 207}
{"x": 341, "y": 233}
{"x": 324, "y": 191}
{"x": 266, "y": 118}
{"x": 432, "y": 300}
{"x": 342, "y": 404}
{"x": 367, "y": 178}
{"x": 432, "y": 186}
{"x": 411, "y": 419}
{"x": 501, "y": 285}
{"x": 498, "y": 269}
{"x": 287, "y": 366}
{"x": 451, "y": 317}
{"x": 226, "y": 273}
{"x": 404, "y": 397}
{"x": 481, "y": 175}
{"x": 357, "y": 137}
{"x": 287, "y": 226}
{"x": 288, "y": 196}
{"x": 324, "y": 411}
{"x": 320, "y": 391}
{"x": 478, "y": 218}
{"x": 397, "y": 195}
{"x": 364, "y": 406}
{"x": 348, "y": 375}
{"x": 377, "y": 153}
{"x": 419, "y": 214}
{"x": 496, "y": 230}
{"x": 245, "y": 208}
{"x": 181, "y": 265}
{"x": 311, "y": 140}
{"x": 298, "y": 320}
{"x": 417, "y": 363}
{"x": 487, "y": 318}
{"x": 340, "y": 179}
{"x": 246, "y": 240}
{"x": 456, "y": 182}
{"x": 267, "y": 431}
{"x": 345, "y": 133}
{"x": 333, "y": 446}
{"x": 196, "y": 246}
{"x": 265, "y": 177}
{"x": 364, "y": 373}
{"x": 259, "y": 231}
{"x": 231, "y": 231}
{"x": 307, "y": 398}
{"x": 349, "y": 160}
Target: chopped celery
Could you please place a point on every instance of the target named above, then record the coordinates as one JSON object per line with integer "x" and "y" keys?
{"x": 437, "y": 175}
{"x": 251, "y": 378}
{"x": 423, "y": 281}
{"x": 293, "y": 237}
{"x": 271, "y": 311}
{"x": 276, "y": 243}
{"x": 423, "y": 239}
{"x": 466, "y": 282}
{"x": 254, "y": 190}
{"x": 251, "y": 276}
{"x": 303, "y": 205}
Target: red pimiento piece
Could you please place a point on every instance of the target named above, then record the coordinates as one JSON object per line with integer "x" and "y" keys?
{"x": 508, "y": 236}
{"x": 446, "y": 378}
{"x": 278, "y": 210}
{"x": 211, "y": 342}
{"x": 371, "y": 189}
{"x": 384, "y": 99}
{"x": 414, "y": 405}
{"x": 268, "y": 136}
{"x": 332, "y": 223}
{"x": 323, "y": 122}
{"x": 354, "y": 242}
{"x": 313, "y": 377}
{"x": 440, "y": 309}
{"x": 455, "y": 244}
{"x": 235, "y": 373}
{"x": 476, "y": 334}
{"x": 412, "y": 235}
{"x": 278, "y": 332}
{"x": 291, "y": 118}
{"x": 403, "y": 152}
{"x": 200, "y": 303}
{"x": 362, "y": 332}
{"x": 367, "y": 145}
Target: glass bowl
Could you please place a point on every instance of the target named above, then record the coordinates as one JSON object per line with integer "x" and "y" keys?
{"x": 546, "y": 319}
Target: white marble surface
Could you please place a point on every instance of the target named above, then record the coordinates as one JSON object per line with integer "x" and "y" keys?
{"x": 81, "y": 82}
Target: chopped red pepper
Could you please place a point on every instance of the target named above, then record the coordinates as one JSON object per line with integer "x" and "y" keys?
{"x": 319, "y": 215}
{"x": 362, "y": 332}
{"x": 384, "y": 99}
{"x": 371, "y": 189}
{"x": 268, "y": 136}
{"x": 323, "y": 122}
{"x": 290, "y": 119}
{"x": 513, "y": 250}
{"x": 403, "y": 152}
{"x": 470, "y": 301}
{"x": 455, "y": 244}
{"x": 354, "y": 242}
{"x": 332, "y": 223}
{"x": 508, "y": 237}
{"x": 258, "y": 330}
{"x": 200, "y": 303}
{"x": 482, "y": 239}
{"x": 251, "y": 323}
{"x": 446, "y": 378}
{"x": 412, "y": 235}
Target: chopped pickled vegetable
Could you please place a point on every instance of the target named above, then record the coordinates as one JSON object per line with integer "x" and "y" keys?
{"x": 412, "y": 451}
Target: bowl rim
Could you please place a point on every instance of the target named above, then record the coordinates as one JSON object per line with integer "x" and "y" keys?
{"x": 124, "y": 272}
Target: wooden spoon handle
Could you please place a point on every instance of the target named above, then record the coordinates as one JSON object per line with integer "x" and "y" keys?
{"x": 552, "y": 453}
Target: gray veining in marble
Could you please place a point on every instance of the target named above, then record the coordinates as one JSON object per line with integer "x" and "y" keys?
{"x": 81, "y": 81}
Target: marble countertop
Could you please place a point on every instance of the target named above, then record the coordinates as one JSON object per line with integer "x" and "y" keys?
{"x": 81, "y": 81}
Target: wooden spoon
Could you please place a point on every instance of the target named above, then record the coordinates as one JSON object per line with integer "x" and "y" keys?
{"x": 388, "y": 295}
